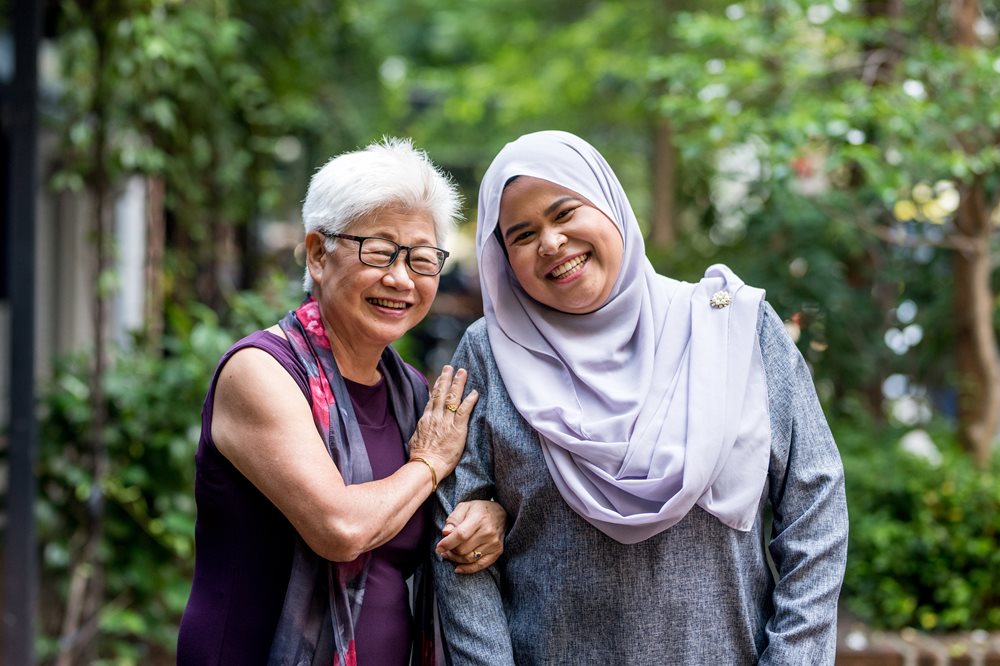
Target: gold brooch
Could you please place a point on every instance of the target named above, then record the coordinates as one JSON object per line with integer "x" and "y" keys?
{"x": 720, "y": 299}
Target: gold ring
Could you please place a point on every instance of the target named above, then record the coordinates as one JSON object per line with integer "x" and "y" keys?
{"x": 451, "y": 408}
{"x": 476, "y": 554}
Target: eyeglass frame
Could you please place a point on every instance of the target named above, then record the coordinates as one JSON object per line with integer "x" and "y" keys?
{"x": 395, "y": 255}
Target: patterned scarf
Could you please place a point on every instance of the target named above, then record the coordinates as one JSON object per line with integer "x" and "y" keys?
{"x": 323, "y": 599}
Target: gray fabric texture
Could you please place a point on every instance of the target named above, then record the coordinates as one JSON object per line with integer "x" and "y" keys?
{"x": 698, "y": 593}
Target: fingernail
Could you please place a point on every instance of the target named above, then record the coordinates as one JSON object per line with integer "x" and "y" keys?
{"x": 448, "y": 528}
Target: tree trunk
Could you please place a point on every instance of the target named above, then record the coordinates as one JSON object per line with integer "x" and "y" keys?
{"x": 86, "y": 593}
{"x": 964, "y": 14}
{"x": 663, "y": 233}
{"x": 977, "y": 357}
{"x": 978, "y": 361}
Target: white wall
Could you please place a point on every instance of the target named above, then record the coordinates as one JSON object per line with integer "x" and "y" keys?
{"x": 65, "y": 273}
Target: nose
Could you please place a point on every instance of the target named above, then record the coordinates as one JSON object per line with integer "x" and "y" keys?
{"x": 549, "y": 242}
{"x": 397, "y": 276}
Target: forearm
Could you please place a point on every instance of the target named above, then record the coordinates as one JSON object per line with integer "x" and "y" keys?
{"x": 810, "y": 555}
{"x": 368, "y": 515}
{"x": 806, "y": 481}
{"x": 268, "y": 432}
{"x": 473, "y": 622}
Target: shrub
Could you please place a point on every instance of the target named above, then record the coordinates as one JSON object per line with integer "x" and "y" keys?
{"x": 925, "y": 534}
{"x": 153, "y": 424}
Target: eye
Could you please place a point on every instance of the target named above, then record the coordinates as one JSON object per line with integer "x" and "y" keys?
{"x": 522, "y": 236}
{"x": 424, "y": 261}
{"x": 565, "y": 212}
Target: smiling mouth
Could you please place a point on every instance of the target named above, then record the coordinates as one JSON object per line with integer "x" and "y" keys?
{"x": 568, "y": 268}
{"x": 386, "y": 303}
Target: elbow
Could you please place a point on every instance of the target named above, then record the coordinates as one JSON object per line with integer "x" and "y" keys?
{"x": 339, "y": 541}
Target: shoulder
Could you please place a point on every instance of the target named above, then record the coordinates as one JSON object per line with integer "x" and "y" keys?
{"x": 476, "y": 333}
{"x": 476, "y": 341}
{"x": 475, "y": 354}
{"x": 770, "y": 325}
{"x": 252, "y": 366}
{"x": 776, "y": 345}
{"x": 416, "y": 376}
{"x": 264, "y": 341}
{"x": 268, "y": 353}
{"x": 786, "y": 371}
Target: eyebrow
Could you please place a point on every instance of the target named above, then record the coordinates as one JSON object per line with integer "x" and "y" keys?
{"x": 548, "y": 211}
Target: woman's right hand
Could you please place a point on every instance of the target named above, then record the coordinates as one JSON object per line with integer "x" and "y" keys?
{"x": 441, "y": 431}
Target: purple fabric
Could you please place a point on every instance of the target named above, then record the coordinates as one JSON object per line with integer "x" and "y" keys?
{"x": 386, "y": 609}
{"x": 244, "y": 545}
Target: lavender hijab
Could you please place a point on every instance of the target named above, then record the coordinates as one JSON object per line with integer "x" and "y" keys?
{"x": 651, "y": 405}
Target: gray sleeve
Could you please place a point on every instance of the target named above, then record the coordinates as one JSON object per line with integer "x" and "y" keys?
{"x": 473, "y": 622}
{"x": 806, "y": 485}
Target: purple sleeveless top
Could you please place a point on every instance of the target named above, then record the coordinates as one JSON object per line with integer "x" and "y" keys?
{"x": 244, "y": 545}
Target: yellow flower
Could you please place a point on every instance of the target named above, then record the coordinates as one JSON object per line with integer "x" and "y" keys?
{"x": 922, "y": 193}
{"x": 904, "y": 210}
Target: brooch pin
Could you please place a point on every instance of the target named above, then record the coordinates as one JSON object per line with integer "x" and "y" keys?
{"x": 720, "y": 299}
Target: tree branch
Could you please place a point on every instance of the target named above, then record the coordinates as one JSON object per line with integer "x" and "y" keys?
{"x": 888, "y": 234}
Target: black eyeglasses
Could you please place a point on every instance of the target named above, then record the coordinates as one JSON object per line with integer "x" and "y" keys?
{"x": 382, "y": 252}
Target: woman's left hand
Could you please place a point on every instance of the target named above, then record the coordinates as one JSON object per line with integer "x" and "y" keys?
{"x": 473, "y": 535}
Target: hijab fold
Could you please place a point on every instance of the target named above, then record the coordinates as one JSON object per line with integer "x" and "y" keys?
{"x": 649, "y": 406}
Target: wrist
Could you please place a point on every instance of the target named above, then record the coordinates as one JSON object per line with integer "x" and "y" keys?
{"x": 430, "y": 466}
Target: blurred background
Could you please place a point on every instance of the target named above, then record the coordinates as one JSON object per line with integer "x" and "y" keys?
{"x": 842, "y": 154}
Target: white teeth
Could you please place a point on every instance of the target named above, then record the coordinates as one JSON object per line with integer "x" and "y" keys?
{"x": 395, "y": 305}
{"x": 562, "y": 269}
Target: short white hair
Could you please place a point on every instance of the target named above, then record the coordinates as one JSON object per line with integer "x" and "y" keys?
{"x": 390, "y": 172}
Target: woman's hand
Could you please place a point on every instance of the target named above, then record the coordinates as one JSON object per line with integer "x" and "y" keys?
{"x": 441, "y": 431}
{"x": 473, "y": 535}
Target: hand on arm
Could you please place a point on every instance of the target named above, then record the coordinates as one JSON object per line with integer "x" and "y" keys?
{"x": 263, "y": 424}
{"x": 441, "y": 432}
{"x": 473, "y": 527}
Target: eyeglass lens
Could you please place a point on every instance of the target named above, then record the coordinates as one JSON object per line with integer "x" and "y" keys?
{"x": 423, "y": 259}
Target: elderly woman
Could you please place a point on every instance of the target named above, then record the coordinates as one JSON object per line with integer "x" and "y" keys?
{"x": 637, "y": 430}
{"x": 320, "y": 447}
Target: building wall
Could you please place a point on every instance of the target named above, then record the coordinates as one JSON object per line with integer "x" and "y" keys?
{"x": 65, "y": 273}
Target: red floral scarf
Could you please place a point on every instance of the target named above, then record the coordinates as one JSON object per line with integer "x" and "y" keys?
{"x": 323, "y": 599}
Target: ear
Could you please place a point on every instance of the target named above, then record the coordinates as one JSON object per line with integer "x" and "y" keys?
{"x": 316, "y": 255}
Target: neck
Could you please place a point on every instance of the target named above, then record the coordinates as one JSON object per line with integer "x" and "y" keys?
{"x": 357, "y": 362}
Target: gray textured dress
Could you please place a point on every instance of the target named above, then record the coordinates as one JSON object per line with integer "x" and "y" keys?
{"x": 697, "y": 593}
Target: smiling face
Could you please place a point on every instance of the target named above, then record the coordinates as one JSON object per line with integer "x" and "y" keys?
{"x": 367, "y": 308}
{"x": 564, "y": 252}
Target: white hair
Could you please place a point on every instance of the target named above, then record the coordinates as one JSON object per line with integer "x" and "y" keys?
{"x": 389, "y": 172}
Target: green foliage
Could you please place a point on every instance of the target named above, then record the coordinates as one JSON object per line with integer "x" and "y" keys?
{"x": 815, "y": 272}
{"x": 923, "y": 541}
{"x": 174, "y": 90}
{"x": 154, "y": 406}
